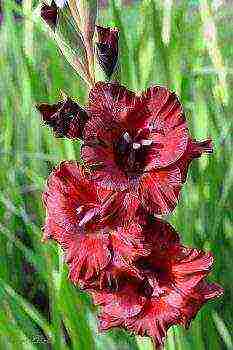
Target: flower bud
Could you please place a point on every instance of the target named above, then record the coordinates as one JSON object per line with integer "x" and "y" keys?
{"x": 107, "y": 48}
{"x": 66, "y": 118}
{"x": 50, "y": 14}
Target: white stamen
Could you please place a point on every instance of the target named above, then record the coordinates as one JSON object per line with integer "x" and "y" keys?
{"x": 146, "y": 142}
{"x": 79, "y": 209}
{"x": 127, "y": 137}
{"x": 136, "y": 145}
{"x": 88, "y": 216}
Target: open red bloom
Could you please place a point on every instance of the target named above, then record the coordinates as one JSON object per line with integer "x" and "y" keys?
{"x": 139, "y": 143}
{"x": 66, "y": 118}
{"x": 173, "y": 291}
{"x": 80, "y": 219}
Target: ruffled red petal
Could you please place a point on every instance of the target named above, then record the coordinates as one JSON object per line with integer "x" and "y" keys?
{"x": 128, "y": 244}
{"x": 105, "y": 171}
{"x": 70, "y": 197}
{"x": 159, "y": 190}
{"x": 202, "y": 293}
{"x": 194, "y": 150}
{"x": 118, "y": 306}
{"x": 123, "y": 208}
{"x": 155, "y": 320}
{"x": 110, "y": 99}
{"x": 87, "y": 256}
{"x": 163, "y": 237}
{"x": 167, "y": 125}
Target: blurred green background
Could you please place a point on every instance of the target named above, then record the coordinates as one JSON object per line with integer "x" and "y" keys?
{"x": 186, "y": 45}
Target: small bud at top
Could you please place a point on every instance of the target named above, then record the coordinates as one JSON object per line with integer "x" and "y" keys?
{"x": 49, "y": 14}
{"x": 107, "y": 48}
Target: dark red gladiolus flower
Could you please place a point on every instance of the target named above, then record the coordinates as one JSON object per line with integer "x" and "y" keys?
{"x": 173, "y": 290}
{"x": 72, "y": 202}
{"x": 107, "y": 48}
{"x": 66, "y": 118}
{"x": 139, "y": 143}
{"x": 78, "y": 218}
{"x": 50, "y": 14}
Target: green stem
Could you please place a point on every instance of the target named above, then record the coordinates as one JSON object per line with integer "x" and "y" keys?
{"x": 28, "y": 28}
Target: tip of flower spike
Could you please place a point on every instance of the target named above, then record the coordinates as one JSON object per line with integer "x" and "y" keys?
{"x": 107, "y": 48}
{"x": 50, "y": 14}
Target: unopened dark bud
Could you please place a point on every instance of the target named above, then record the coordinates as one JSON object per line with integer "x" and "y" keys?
{"x": 66, "y": 118}
{"x": 50, "y": 14}
{"x": 107, "y": 48}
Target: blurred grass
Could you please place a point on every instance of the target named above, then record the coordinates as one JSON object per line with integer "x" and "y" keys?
{"x": 193, "y": 55}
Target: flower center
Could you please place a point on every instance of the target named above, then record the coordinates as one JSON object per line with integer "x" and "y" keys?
{"x": 161, "y": 270}
{"x": 130, "y": 154}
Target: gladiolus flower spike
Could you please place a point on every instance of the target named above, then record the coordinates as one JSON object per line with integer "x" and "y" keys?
{"x": 136, "y": 151}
